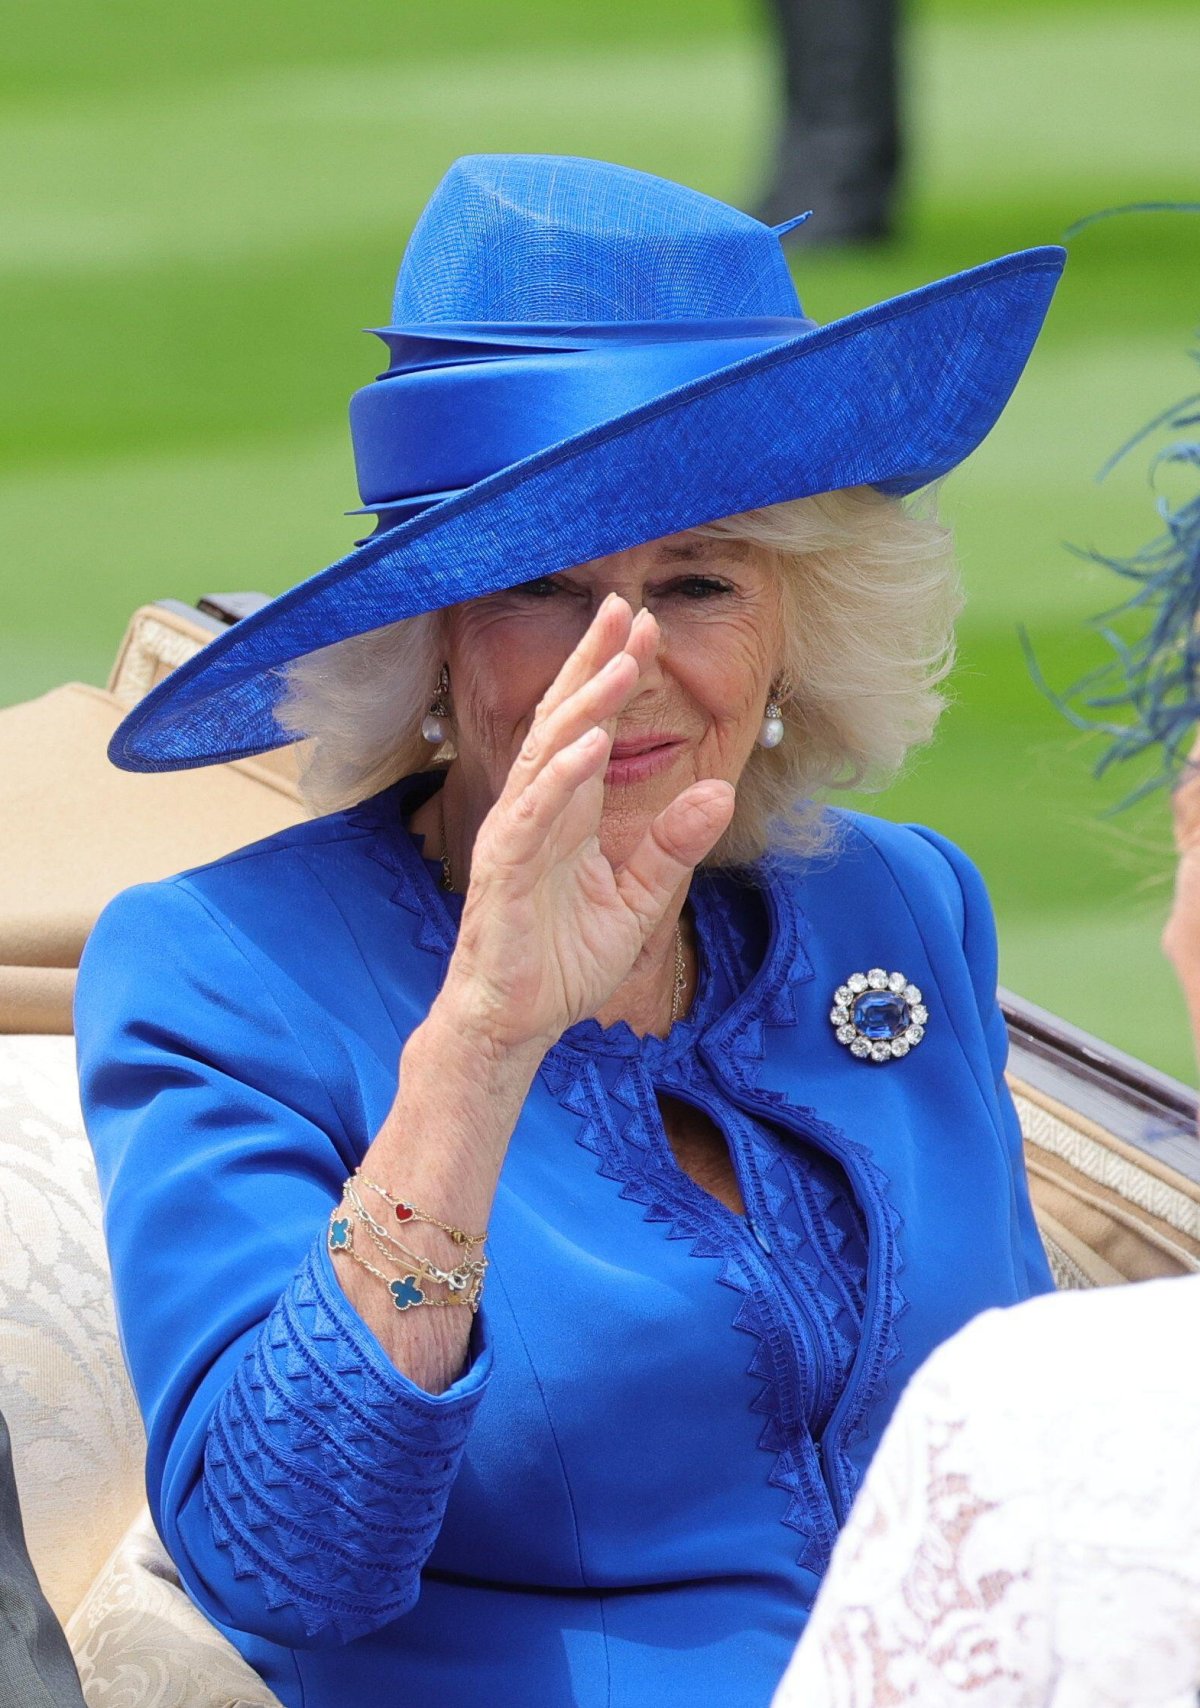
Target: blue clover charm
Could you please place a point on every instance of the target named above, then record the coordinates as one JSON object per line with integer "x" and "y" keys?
{"x": 405, "y": 1292}
{"x": 339, "y": 1233}
{"x": 878, "y": 1016}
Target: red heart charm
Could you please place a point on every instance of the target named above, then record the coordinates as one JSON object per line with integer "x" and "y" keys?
{"x": 404, "y": 1212}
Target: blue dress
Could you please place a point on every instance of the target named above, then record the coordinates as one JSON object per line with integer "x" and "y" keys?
{"x": 630, "y": 1494}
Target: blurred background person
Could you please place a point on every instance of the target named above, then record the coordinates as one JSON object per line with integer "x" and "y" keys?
{"x": 839, "y": 144}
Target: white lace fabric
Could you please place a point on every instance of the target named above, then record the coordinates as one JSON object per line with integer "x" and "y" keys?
{"x": 1028, "y": 1535}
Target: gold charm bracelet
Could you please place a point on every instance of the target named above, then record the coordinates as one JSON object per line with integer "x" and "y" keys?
{"x": 403, "y": 1211}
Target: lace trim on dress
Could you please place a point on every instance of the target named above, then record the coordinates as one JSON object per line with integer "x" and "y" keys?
{"x": 818, "y": 1227}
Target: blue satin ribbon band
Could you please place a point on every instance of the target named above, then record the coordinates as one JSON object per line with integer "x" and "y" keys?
{"x": 458, "y": 403}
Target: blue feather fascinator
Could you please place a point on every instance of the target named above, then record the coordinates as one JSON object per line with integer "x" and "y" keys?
{"x": 1145, "y": 697}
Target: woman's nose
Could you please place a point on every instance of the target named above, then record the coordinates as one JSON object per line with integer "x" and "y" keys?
{"x": 634, "y": 597}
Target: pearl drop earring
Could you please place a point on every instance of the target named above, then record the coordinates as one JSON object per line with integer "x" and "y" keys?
{"x": 771, "y": 733}
{"x": 435, "y": 725}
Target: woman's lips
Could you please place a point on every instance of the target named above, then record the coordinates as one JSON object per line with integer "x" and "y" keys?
{"x": 632, "y": 761}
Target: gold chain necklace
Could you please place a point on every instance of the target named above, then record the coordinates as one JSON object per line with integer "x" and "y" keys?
{"x": 447, "y": 880}
{"x": 680, "y": 975}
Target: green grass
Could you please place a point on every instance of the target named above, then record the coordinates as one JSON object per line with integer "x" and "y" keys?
{"x": 209, "y": 204}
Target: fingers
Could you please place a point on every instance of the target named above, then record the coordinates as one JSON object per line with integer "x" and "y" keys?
{"x": 642, "y": 646}
{"x": 603, "y": 638}
{"x": 602, "y": 693}
{"x": 644, "y": 639}
{"x": 595, "y": 702}
{"x": 542, "y": 804}
{"x": 674, "y": 844}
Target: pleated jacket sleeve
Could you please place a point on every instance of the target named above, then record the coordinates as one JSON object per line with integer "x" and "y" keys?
{"x": 297, "y": 1478}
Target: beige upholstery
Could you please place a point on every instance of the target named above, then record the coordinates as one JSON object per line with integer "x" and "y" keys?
{"x": 78, "y": 1444}
{"x": 1106, "y": 1211}
{"x": 76, "y": 1433}
{"x": 140, "y": 1643}
{"x": 68, "y": 845}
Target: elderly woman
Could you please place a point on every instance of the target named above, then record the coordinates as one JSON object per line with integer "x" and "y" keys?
{"x": 530, "y": 1184}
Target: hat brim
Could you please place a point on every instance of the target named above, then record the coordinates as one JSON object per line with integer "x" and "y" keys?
{"x": 892, "y": 396}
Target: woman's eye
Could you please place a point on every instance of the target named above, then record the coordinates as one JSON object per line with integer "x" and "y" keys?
{"x": 701, "y": 587}
{"x": 544, "y": 587}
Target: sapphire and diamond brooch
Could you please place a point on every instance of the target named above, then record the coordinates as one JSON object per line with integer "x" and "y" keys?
{"x": 878, "y": 1016}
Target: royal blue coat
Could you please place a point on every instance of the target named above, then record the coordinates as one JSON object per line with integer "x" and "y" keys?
{"x": 629, "y": 1496}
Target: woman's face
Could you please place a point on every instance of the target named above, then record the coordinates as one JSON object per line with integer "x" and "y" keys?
{"x": 696, "y": 711}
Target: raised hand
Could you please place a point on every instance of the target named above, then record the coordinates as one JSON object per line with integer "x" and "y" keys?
{"x": 550, "y": 929}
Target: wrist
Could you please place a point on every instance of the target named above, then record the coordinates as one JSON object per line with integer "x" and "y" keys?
{"x": 456, "y": 1106}
{"x": 492, "y": 1026}
{"x": 466, "y": 1060}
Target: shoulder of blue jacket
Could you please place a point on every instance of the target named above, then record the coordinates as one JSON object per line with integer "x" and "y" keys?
{"x": 309, "y": 834}
{"x": 228, "y": 885}
{"x": 929, "y": 869}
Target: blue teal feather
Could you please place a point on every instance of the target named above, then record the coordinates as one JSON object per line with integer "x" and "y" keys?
{"x": 1146, "y": 695}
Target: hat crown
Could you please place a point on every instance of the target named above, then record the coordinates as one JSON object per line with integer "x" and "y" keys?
{"x": 538, "y": 238}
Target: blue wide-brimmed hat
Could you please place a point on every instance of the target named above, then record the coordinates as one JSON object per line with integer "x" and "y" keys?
{"x": 581, "y": 358}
